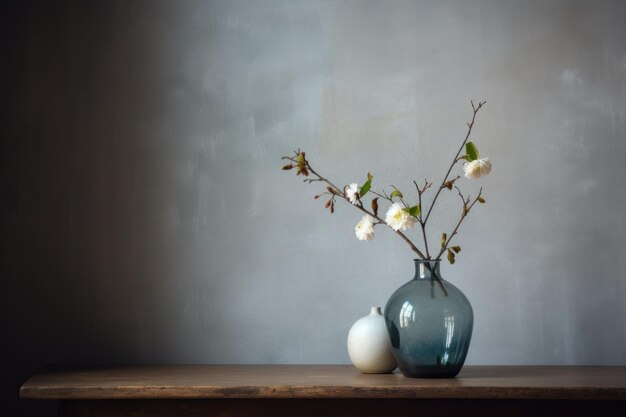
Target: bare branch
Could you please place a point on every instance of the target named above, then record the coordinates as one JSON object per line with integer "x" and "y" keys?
{"x": 420, "y": 218}
{"x": 384, "y": 195}
{"x": 466, "y": 210}
{"x": 310, "y": 180}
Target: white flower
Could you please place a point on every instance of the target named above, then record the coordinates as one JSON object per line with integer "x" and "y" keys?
{"x": 364, "y": 229}
{"x": 477, "y": 168}
{"x": 351, "y": 192}
{"x": 398, "y": 219}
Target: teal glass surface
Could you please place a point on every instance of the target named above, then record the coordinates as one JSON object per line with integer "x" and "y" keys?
{"x": 430, "y": 324}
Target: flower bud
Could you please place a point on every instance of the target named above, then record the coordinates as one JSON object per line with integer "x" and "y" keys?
{"x": 302, "y": 165}
{"x": 451, "y": 257}
{"x": 375, "y": 206}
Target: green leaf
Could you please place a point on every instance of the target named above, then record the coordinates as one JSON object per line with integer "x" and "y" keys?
{"x": 481, "y": 200}
{"x": 456, "y": 249}
{"x": 395, "y": 193}
{"x": 444, "y": 239}
{"x": 471, "y": 151}
{"x": 413, "y": 211}
{"x": 365, "y": 188}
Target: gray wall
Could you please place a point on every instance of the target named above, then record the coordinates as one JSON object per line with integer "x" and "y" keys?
{"x": 145, "y": 220}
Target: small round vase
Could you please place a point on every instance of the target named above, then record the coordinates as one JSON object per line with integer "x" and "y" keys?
{"x": 430, "y": 324}
{"x": 368, "y": 344}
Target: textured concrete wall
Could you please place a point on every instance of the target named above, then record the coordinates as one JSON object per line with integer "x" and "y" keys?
{"x": 144, "y": 218}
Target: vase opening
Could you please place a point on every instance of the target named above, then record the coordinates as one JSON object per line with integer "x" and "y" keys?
{"x": 426, "y": 268}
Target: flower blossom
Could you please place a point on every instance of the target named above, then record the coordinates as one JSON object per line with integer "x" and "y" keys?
{"x": 364, "y": 229}
{"x": 477, "y": 168}
{"x": 398, "y": 219}
{"x": 352, "y": 192}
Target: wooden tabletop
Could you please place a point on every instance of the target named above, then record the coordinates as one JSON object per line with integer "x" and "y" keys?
{"x": 324, "y": 381}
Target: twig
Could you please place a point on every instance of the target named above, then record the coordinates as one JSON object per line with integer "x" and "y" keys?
{"x": 420, "y": 218}
{"x": 384, "y": 195}
{"x": 310, "y": 180}
{"x": 466, "y": 210}
{"x": 470, "y": 125}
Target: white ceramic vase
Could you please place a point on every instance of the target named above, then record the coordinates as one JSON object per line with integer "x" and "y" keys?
{"x": 368, "y": 344}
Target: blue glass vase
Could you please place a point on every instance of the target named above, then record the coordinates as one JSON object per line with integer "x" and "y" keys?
{"x": 430, "y": 324}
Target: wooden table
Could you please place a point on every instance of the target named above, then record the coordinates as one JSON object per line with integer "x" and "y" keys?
{"x": 329, "y": 390}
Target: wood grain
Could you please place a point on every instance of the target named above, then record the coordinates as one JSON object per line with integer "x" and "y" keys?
{"x": 325, "y": 382}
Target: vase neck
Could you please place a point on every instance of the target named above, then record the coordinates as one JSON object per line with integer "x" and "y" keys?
{"x": 426, "y": 269}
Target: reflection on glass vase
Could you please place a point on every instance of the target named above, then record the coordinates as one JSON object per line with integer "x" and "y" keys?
{"x": 430, "y": 324}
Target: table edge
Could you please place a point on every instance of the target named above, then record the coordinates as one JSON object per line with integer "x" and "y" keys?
{"x": 322, "y": 392}
{"x": 40, "y": 390}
